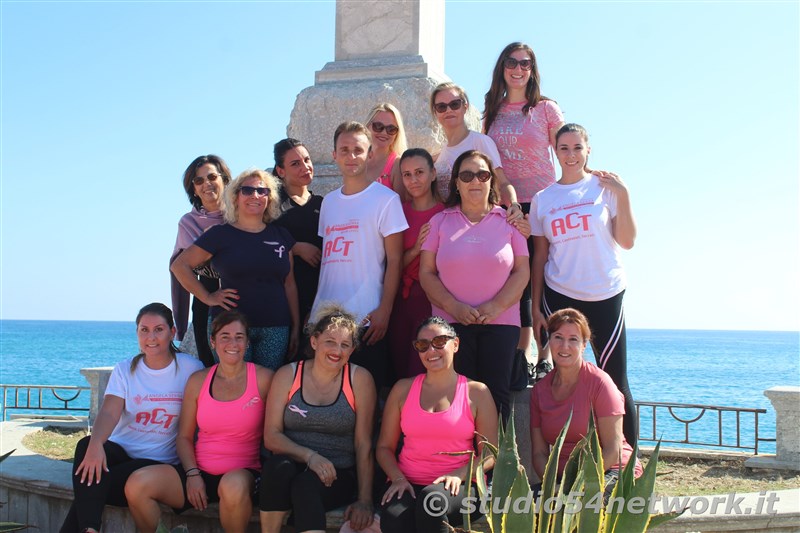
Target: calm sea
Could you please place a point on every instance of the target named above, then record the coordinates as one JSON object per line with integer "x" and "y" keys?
{"x": 728, "y": 368}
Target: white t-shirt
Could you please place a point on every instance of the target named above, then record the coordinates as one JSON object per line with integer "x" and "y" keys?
{"x": 584, "y": 260}
{"x": 449, "y": 154}
{"x": 352, "y": 228}
{"x": 149, "y": 422}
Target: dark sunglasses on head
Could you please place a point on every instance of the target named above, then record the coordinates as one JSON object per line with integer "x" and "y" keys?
{"x": 379, "y": 127}
{"x": 250, "y": 191}
{"x": 438, "y": 342}
{"x": 455, "y": 105}
{"x": 510, "y": 63}
{"x": 467, "y": 176}
{"x": 198, "y": 180}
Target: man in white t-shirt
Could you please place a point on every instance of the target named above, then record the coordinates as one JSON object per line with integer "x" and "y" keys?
{"x": 361, "y": 225}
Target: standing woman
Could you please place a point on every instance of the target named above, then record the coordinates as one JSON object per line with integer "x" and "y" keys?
{"x": 579, "y": 225}
{"x": 411, "y": 305}
{"x": 204, "y": 180}
{"x": 449, "y": 105}
{"x": 137, "y": 423}
{"x": 523, "y": 125}
{"x": 254, "y": 260}
{"x": 473, "y": 267}
{"x": 319, "y": 426}
{"x": 224, "y": 407}
{"x": 437, "y": 411}
{"x": 300, "y": 216}
{"x": 388, "y": 142}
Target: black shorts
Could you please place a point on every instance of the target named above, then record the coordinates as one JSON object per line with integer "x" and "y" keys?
{"x": 212, "y": 486}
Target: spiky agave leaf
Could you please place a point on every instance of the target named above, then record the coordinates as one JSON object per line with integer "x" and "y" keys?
{"x": 549, "y": 479}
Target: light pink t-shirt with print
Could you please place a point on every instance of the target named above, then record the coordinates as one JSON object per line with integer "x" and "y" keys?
{"x": 475, "y": 260}
{"x": 523, "y": 142}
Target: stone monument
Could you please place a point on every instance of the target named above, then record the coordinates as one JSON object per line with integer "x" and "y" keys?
{"x": 386, "y": 51}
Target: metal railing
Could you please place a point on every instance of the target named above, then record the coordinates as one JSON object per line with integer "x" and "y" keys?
{"x": 43, "y": 398}
{"x": 687, "y": 414}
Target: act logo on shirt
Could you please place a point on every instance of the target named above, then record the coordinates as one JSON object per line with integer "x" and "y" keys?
{"x": 339, "y": 245}
{"x": 157, "y": 416}
{"x": 569, "y": 222}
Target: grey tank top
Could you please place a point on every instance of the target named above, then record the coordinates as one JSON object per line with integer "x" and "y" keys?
{"x": 327, "y": 429}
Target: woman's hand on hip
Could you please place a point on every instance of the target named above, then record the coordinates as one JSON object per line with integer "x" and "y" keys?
{"x": 224, "y": 298}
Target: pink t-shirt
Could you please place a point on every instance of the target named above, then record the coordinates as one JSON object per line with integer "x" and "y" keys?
{"x": 230, "y": 432}
{"x": 427, "y": 434}
{"x": 594, "y": 390}
{"x": 475, "y": 260}
{"x": 415, "y": 219}
{"x": 523, "y": 142}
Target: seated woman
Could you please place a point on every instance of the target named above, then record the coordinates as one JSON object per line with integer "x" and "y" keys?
{"x": 137, "y": 423}
{"x": 579, "y": 387}
{"x": 319, "y": 426}
{"x": 438, "y": 411}
{"x": 226, "y": 402}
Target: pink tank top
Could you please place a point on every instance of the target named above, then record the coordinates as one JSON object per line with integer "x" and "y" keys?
{"x": 426, "y": 434}
{"x": 230, "y": 433}
{"x": 386, "y": 176}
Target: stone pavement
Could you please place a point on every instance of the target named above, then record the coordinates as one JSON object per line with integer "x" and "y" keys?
{"x": 775, "y": 511}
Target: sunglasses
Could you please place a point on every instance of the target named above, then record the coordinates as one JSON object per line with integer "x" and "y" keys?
{"x": 510, "y": 63}
{"x": 467, "y": 176}
{"x": 455, "y": 105}
{"x": 438, "y": 342}
{"x": 379, "y": 127}
{"x": 247, "y": 190}
{"x": 198, "y": 180}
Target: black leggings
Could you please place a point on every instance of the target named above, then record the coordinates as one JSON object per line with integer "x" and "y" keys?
{"x": 409, "y": 514}
{"x": 86, "y": 510}
{"x": 287, "y": 484}
{"x": 607, "y": 321}
{"x": 486, "y": 354}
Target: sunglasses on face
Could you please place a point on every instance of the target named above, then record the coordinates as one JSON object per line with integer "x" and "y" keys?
{"x": 455, "y": 105}
{"x": 198, "y": 180}
{"x": 379, "y": 127}
{"x": 247, "y": 190}
{"x": 438, "y": 342}
{"x": 510, "y": 63}
{"x": 467, "y": 176}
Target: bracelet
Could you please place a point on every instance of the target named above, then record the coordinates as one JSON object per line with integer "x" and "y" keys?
{"x": 189, "y": 470}
{"x": 400, "y": 478}
{"x": 311, "y": 456}
{"x": 193, "y": 475}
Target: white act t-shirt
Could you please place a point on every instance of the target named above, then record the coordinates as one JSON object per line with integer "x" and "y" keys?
{"x": 149, "y": 422}
{"x": 449, "y": 154}
{"x": 352, "y": 228}
{"x": 584, "y": 260}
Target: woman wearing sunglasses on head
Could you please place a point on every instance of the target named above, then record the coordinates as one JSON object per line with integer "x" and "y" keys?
{"x": 388, "y": 141}
{"x": 436, "y": 411}
{"x": 254, "y": 261}
{"x": 203, "y": 180}
{"x": 449, "y": 105}
{"x": 523, "y": 125}
{"x": 473, "y": 267}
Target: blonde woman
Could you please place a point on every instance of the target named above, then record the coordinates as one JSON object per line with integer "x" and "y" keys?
{"x": 254, "y": 260}
{"x": 388, "y": 141}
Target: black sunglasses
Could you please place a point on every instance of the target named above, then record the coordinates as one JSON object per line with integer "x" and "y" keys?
{"x": 467, "y": 176}
{"x": 379, "y": 127}
{"x": 510, "y": 63}
{"x": 198, "y": 180}
{"x": 455, "y": 105}
{"x": 438, "y": 342}
{"x": 250, "y": 191}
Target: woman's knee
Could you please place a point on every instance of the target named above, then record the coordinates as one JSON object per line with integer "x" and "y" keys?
{"x": 236, "y": 486}
{"x": 158, "y": 482}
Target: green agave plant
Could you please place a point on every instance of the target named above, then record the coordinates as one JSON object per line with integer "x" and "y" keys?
{"x": 9, "y": 526}
{"x": 576, "y": 505}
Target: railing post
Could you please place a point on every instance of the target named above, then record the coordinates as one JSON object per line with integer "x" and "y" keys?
{"x": 98, "y": 379}
{"x": 786, "y": 401}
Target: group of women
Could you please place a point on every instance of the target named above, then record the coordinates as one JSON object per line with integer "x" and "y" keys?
{"x": 249, "y": 252}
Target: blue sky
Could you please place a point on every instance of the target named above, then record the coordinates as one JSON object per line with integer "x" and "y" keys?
{"x": 104, "y": 104}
